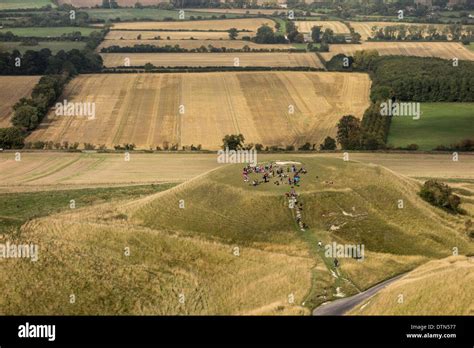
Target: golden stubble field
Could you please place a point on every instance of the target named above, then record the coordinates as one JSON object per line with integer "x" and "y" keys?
{"x": 243, "y": 59}
{"x": 446, "y": 50}
{"x": 53, "y": 170}
{"x": 336, "y": 26}
{"x": 13, "y": 88}
{"x": 164, "y": 35}
{"x": 251, "y": 24}
{"x": 190, "y": 44}
{"x": 271, "y": 108}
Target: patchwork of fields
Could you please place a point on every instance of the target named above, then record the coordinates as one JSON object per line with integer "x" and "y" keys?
{"x": 145, "y": 109}
{"x": 445, "y": 50}
{"x": 13, "y": 88}
{"x": 259, "y": 59}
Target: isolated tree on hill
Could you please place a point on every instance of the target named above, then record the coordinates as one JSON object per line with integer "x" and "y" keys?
{"x": 265, "y": 34}
{"x": 233, "y": 33}
{"x": 233, "y": 142}
{"x": 349, "y": 132}
{"x": 440, "y": 195}
{"x": 328, "y": 144}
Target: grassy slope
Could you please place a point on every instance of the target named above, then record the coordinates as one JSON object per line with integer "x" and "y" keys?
{"x": 440, "y": 124}
{"x": 190, "y": 250}
{"x": 54, "y": 46}
{"x": 44, "y": 32}
{"x": 443, "y": 287}
{"x": 22, "y": 4}
{"x": 149, "y": 13}
{"x": 17, "y": 208}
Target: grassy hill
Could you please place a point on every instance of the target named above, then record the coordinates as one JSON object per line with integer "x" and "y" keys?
{"x": 191, "y": 251}
{"x": 440, "y": 287}
{"x": 440, "y": 124}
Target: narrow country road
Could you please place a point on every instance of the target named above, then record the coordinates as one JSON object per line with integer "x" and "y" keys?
{"x": 343, "y": 305}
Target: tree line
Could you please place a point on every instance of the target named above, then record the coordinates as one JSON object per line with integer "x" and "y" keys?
{"x": 177, "y": 49}
{"x": 58, "y": 69}
{"x": 402, "y": 32}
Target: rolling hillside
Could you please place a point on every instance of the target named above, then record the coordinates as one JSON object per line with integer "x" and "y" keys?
{"x": 191, "y": 251}
{"x": 441, "y": 287}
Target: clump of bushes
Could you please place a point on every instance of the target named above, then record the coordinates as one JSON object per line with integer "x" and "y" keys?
{"x": 440, "y": 195}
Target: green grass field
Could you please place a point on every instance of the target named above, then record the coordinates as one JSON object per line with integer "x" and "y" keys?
{"x": 130, "y": 14}
{"x": 54, "y": 46}
{"x": 471, "y": 46}
{"x": 22, "y": 4}
{"x": 17, "y": 208}
{"x": 45, "y": 32}
{"x": 439, "y": 124}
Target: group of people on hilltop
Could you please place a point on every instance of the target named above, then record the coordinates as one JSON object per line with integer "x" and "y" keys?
{"x": 292, "y": 175}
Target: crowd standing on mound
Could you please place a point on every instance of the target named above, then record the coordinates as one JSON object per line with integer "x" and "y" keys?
{"x": 280, "y": 175}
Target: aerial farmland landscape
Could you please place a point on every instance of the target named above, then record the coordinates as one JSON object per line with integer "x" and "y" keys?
{"x": 223, "y": 158}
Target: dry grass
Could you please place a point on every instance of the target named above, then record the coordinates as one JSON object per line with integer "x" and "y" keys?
{"x": 46, "y": 171}
{"x": 144, "y": 108}
{"x": 13, "y": 88}
{"x": 336, "y": 26}
{"x": 251, "y": 24}
{"x": 446, "y": 50}
{"x": 441, "y": 287}
{"x": 190, "y": 44}
{"x": 87, "y": 260}
{"x": 419, "y": 165}
{"x": 213, "y": 59}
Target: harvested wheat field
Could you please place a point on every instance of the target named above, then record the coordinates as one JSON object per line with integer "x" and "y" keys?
{"x": 13, "y": 89}
{"x": 57, "y": 171}
{"x": 121, "y": 3}
{"x": 365, "y": 28}
{"x": 241, "y": 11}
{"x": 213, "y": 59}
{"x": 446, "y": 50}
{"x": 337, "y": 27}
{"x": 172, "y": 35}
{"x": 144, "y": 109}
{"x": 251, "y": 24}
{"x": 48, "y": 171}
{"x": 190, "y": 44}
